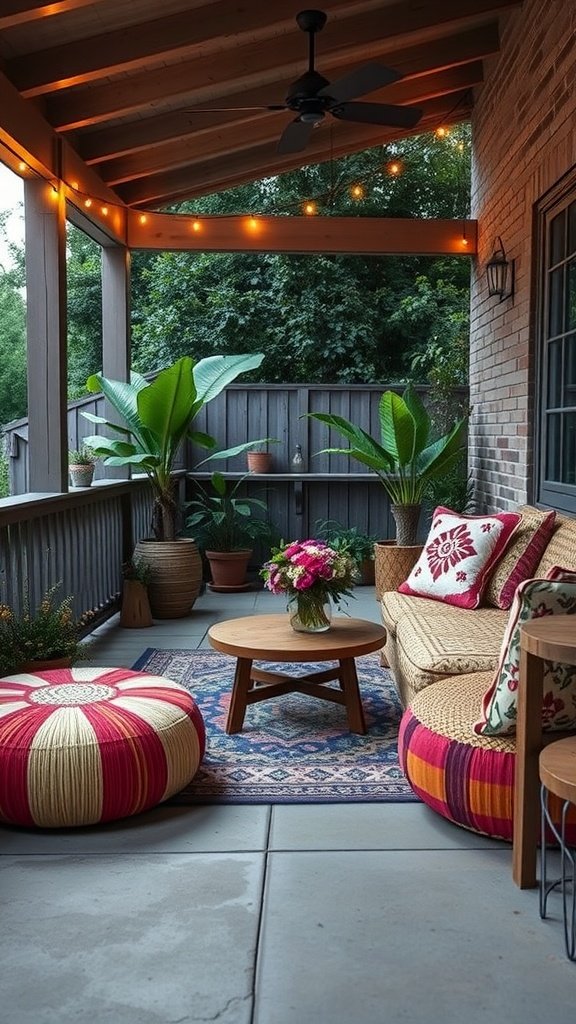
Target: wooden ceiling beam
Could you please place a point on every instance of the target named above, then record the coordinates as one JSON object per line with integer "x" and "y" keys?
{"x": 19, "y": 12}
{"x": 221, "y": 142}
{"x": 263, "y": 161}
{"x": 374, "y": 235}
{"x": 143, "y": 134}
{"x": 105, "y": 102}
{"x": 220, "y": 28}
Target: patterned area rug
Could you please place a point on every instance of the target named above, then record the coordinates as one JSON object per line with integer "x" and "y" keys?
{"x": 294, "y": 748}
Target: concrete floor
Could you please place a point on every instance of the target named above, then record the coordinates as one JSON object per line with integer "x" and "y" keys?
{"x": 286, "y": 914}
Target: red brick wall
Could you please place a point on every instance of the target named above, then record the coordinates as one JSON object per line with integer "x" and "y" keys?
{"x": 524, "y": 140}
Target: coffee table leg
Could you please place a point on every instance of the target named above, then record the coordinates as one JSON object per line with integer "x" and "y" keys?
{"x": 349, "y": 683}
{"x": 240, "y": 690}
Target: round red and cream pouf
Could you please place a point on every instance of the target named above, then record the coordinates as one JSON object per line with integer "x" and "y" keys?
{"x": 466, "y": 778}
{"x": 85, "y": 745}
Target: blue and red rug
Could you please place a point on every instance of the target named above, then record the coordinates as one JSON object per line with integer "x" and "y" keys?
{"x": 294, "y": 748}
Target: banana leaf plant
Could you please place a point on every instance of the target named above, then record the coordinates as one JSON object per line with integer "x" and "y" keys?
{"x": 404, "y": 459}
{"x": 158, "y": 415}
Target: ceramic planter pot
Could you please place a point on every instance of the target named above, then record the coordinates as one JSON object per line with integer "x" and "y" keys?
{"x": 81, "y": 474}
{"x": 228, "y": 570}
{"x": 259, "y": 462}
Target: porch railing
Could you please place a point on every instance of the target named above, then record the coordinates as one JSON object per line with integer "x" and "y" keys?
{"x": 78, "y": 539}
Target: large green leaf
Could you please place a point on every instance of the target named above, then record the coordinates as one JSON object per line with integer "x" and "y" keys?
{"x": 100, "y": 419}
{"x": 364, "y": 447}
{"x": 443, "y": 453}
{"x": 398, "y": 428}
{"x": 124, "y": 398}
{"x": 102, "y": 446}
{"x": 228, "y": 453}
{"x": 213, "y": 374}
{"x": 165, "y": 406}
{"x": 421, "y": 417}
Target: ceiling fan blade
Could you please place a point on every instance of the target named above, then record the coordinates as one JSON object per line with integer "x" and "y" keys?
{"x": 215, "y": 110}
{"x": 360, "y": 82}
{"x": 378, "y": 113}
{"x": 295, "y": 137}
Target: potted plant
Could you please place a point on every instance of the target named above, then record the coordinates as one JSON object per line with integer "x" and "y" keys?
{"x": 405, "y": 460}
{"x": 81, "y": 465}
{"x": 360, "y": 546}
{"x": 259, "y": 459}
{"x": 225, "y": 526}
{"x": 158, "y": 415}
{"x": 46, "y": 638}
{"x": 135, "y": 610}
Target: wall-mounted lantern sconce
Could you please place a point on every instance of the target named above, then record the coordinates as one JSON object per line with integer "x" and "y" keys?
{"x": 500, "y": 273}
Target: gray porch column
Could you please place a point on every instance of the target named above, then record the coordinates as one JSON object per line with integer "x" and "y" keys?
{"x": 45, "y": 239}
{"x": 115, "y": 328}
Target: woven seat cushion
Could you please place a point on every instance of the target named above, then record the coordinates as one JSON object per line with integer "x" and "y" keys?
{"x": 86, "y": 745}
{"x": 394, "y": 605}
{"x": 466, "y": 778}
{"x": 431, "y": 646}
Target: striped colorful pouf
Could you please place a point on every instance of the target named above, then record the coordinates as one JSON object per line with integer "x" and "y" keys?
{"x": 468, "y": 779}
{"x": 86, "y": 745}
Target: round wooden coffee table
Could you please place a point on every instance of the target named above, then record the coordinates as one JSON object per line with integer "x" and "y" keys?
{"x": 271, "y": 638}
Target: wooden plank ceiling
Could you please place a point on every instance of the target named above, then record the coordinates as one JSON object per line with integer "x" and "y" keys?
{"x": 119, "y": 80}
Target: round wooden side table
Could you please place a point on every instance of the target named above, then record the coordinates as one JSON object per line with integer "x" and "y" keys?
{"x": 558, "y": 776}
{"x": 271, "y": 638}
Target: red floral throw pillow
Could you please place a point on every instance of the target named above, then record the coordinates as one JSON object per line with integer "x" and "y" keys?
{"x": 458, "y": 556}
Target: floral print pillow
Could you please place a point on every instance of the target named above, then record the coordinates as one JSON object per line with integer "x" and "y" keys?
{"x": 459, "y": 555}
{"x": 555, "y": 595}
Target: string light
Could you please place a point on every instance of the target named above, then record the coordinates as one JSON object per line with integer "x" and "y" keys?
{"x": 253, "y": 223}
{"x": 104, "y": 211}
{"x": 142, "y": 218}
{"x": 74, "y": 185}
{"x": 310, "y": 208}
{"x": 88, "y": 203}
{"x": 441, "y": 132}
{"x": 196, "y": 225}
{"x": 22, "y": 166}
{"x": 394, "y": 168}
{"x": 357, "y": 191}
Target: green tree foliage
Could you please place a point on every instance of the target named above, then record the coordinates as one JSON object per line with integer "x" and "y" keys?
{"x": 13, "y": 385}
{"x": 318, "y": 318}
{"x": 84, "y": 309}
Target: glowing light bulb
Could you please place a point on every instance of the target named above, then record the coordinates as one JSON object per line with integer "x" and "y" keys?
{"x": 104, "y": 211}
{"x": 310, "y": 209}
{"x": 22, "y": 166}
{"x": 196, "y": 225}
{"x": 74, "y": 185}
{"x": 87, "y": 203}
{"x": 357, "y": 191}
{"x": 441, "y": 132}
{"x": 253, "y": 223}
{"x": 460, "y": 146}
{"x": 394, "y": 168}
{"x": 142, "y": 218}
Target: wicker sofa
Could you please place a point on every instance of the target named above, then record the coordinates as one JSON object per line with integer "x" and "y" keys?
{"x": 442, "y": 660}
{"x": 428, "y": 641}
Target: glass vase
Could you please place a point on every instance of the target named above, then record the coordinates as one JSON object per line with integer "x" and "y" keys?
{"x": 310, "y": 613}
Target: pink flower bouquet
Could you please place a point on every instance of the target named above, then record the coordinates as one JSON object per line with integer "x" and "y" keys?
{"x": 311, "y": 573}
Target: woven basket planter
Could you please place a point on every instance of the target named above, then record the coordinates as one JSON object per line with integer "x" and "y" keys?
{"x": 393, "y": 564}
{"x": 176, "y": 575}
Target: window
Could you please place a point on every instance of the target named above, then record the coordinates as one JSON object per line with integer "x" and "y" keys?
{"x": 557, "y": 354}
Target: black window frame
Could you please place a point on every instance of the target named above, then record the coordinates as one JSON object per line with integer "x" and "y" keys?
{"x": 549, "y": 492}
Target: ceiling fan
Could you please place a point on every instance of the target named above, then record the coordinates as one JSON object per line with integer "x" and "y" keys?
{"x": 312, "y": 96}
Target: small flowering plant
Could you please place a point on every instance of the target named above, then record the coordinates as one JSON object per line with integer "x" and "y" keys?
{"x": 311, "y": 572}
{"x": 48, "y": 633}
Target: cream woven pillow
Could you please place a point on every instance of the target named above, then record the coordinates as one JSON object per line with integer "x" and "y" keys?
{"x": 520, "y": 557}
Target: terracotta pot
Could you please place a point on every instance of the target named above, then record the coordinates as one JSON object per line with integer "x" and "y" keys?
{"x": 393, "y": 563}
{"x": 176, "y": 575}
{"x": 46, "y": 665}
{"x": 228, "y": 570}
{"x": 135, "y": 612}
{"x": 259, "y": 462}
{"x": 81, "y": 475}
